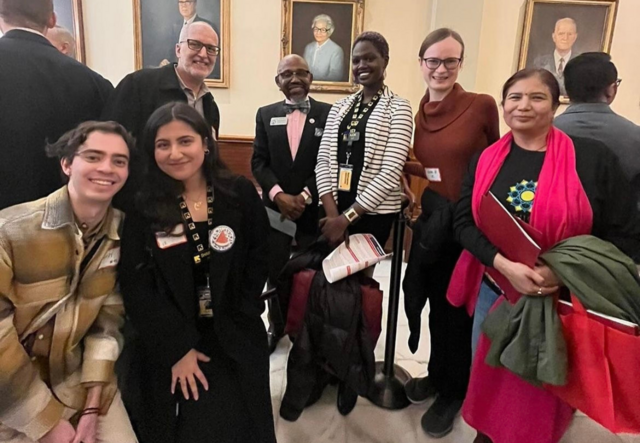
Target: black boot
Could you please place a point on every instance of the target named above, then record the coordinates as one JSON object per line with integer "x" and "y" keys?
{"x": 438, "y": 420}
{"x": 419, "y": 390}
{"x": 347, "y": 399}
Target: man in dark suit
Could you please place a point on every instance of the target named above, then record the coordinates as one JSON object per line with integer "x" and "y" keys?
{"x": 285, "y": 151}
{"x": 140, "y": 93}
{"x": 43, "y": 94}
{"x": 564, "y": 36}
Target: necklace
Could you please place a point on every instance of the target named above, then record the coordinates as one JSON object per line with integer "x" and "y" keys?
{"x": 197, "y": 204}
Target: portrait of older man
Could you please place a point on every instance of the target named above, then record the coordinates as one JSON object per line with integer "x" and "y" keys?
{"x": 324, "y": 56}
{"x": 564, "y": 37}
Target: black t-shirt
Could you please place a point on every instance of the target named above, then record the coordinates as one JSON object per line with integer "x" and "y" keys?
{"x": 615, "y": 213}
{"x": 346, "y": 199}
{"x": 516, "y": 183}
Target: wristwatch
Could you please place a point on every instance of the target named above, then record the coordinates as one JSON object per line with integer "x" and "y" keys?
{"x": 351, "y": 215}
{"x": 307, "y": 197}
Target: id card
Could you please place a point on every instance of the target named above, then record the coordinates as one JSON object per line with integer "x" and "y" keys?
{"x": 344, "y": 177}
{"x": 433, "y": 174}
{"x": 204, "y": 302}
{"x": 351, "y": 136}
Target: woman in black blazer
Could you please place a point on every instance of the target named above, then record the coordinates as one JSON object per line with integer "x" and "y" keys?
{"x": 194, "y": 262}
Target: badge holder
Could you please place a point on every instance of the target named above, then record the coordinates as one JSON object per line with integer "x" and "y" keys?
{"x": 204, "y": 300}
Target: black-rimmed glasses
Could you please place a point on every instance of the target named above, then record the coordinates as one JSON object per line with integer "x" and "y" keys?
{"x": 449, "y": 63}
{"x": 618, "y": 82}
{"x": 300, "y": 73}
{"x": 197, "y": 45}
{"x": 320, "y": 30}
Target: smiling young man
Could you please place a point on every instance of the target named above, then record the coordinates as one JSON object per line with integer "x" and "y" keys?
{"x": 59, "y": 313}
{"x": 285, "y": 149}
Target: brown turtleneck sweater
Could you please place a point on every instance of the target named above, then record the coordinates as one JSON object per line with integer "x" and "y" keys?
{"x": 448, "y": 133}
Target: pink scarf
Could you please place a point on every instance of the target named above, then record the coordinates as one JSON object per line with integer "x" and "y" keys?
{"x": 498, "y": 403}
{"x": 561, "y": 209}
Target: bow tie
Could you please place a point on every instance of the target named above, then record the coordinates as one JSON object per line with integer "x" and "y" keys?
{"x": 303, "y": 107}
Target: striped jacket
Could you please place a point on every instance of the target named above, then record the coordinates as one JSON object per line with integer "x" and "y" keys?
{"x": 387, "y": 142}
{"x": 47, "y": 362}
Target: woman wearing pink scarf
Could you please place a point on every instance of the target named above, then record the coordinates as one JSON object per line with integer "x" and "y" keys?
{"x": 562, "y": 187}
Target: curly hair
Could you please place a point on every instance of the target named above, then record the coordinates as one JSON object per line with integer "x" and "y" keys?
{"x": 377, "y": 40}
{"x": 68, "y": 145}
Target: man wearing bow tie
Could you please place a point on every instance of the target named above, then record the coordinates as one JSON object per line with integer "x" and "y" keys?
{"x": 285, "y": 150}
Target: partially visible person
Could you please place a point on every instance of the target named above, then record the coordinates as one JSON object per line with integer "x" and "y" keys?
{"x": 189, "y": 14}
{"x": 324, "y": 56}
{"x": 43, "y": 94}
{"x": 140, "y": 93}
{"x": 565, "y": 34}
{"x": 60, "y": 313}
{"x": 194, "y": 263}
{"x": 592, "y": 84}
{"x": 61, "y": 38}
{"x": 363, "y": 150}
{"x": 285, "y": 152}
{"x": 451, "y": 126}
{"x": 561, "y": 187}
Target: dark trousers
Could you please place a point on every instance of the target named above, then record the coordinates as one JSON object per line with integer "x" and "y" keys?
{"x": 280, "y": 247}
{"x": 450, "y": 327}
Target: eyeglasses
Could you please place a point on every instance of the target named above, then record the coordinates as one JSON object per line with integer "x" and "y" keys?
{"x": 91, "y": 156}
{"x": 300, "y": 73}
{"x": 449, "y": 63}
{"x": 196, "y": 45}
{"x": 618, "y": 82}
{"x": 320, "y": 30}
{"x": 186, "y": 2}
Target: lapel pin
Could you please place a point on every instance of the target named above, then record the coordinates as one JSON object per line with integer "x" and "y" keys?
{"x": 312, "y": 120}
{"x": 222, "y": 238}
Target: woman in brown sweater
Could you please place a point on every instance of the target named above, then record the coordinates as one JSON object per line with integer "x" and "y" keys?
{"x": 451, "y": 126}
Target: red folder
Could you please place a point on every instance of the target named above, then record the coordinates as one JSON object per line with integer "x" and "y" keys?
{"x": 566, "y": 308}
{"x": 514, "y": 238}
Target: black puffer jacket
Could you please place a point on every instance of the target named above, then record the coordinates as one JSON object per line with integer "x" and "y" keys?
{"x": 334, "y": 337}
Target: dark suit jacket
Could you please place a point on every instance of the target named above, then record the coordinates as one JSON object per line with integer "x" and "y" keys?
{"x": 548, "y": 62}
{"x": 137, "y": 96}
{"x": 158, "y": 289}
{"x": 43, "y": 94}
{"x": 272, "y": 164}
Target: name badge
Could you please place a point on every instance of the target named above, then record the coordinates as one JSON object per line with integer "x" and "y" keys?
{"x": 165, "y": 241}
{"x": 204, "y": 302}
{"x": 279, "y": 121}
{"x": 433, "y": 174}
{"x": 344, "y": 179}
{"x": 110, "y": 259}
{"x": 319, "y": 132}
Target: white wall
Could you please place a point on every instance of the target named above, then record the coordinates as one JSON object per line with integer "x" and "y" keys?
{"x": 255, "y": 43}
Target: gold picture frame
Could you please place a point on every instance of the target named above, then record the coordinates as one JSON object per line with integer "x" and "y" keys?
{"x": 298, "y": 38}
{"x": 218, "y": 15}
{"x": 551, "y": 27}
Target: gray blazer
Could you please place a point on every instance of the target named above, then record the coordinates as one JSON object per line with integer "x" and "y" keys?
{"x": 598, "y": 121}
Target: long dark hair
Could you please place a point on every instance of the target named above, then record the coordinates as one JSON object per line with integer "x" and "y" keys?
{"x": 158, "y": 195}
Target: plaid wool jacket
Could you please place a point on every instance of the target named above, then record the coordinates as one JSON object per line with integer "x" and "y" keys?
{"x": 59, "y": 326}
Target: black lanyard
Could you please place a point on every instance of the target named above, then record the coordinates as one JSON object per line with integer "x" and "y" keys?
{"x": 351, "y": 134}
{"x": 201, "y": 245}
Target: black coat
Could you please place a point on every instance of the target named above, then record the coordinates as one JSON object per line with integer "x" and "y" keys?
{"x": 334, "y": 337}
{"x": 158, "y": 290}
{"x": 43, "y": 94}
{"x": 136, "y": 97}
{"x": 272, "y": 164}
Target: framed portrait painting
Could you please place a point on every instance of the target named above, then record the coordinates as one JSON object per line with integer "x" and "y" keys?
{"x": 157, "y": 30}
{"x": 323, "y": 32}
{"x": 69, "y": 15}
{"x": 556, "y": 31}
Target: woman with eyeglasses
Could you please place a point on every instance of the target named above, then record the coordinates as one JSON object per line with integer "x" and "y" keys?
{"x": 194, "y": 263}
{"x": 451, "y": 126}
{"x": 324, "y": 56}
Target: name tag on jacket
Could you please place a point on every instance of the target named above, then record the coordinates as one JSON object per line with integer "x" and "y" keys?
{"x": 175, "y": 238}
{"x": 279, "y": 121}
{"x": 110, "y": 259}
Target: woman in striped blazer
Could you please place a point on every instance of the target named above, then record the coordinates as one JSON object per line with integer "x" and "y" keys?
{"x": 363, "y": 150}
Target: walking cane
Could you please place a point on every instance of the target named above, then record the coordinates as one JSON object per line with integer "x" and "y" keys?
{"x": 387, "y": 389}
